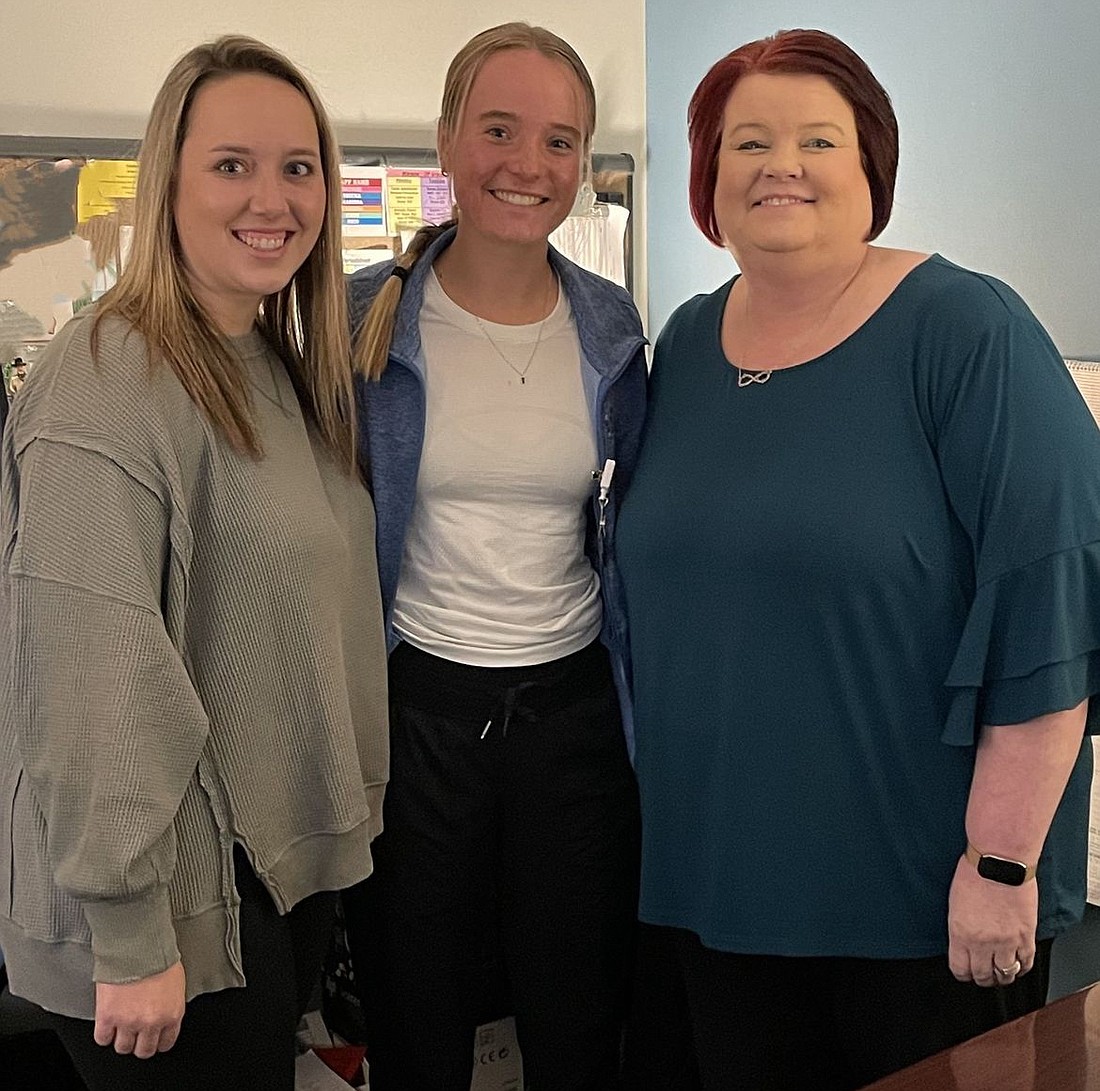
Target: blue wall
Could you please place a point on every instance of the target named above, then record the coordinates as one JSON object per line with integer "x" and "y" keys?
{"x": 998, "y": 104}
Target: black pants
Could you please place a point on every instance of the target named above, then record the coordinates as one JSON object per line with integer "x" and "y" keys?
{"x": 711, "y": 1020}
{"x": 511, "y": 835}
{"x": 235, "y": 1038}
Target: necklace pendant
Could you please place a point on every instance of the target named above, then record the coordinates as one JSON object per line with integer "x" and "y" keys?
{"x": 747, "y": 378}
{"x": 520, "y": 371}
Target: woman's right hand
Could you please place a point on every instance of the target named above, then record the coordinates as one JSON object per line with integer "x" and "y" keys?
{"x": 141, "y": 1017}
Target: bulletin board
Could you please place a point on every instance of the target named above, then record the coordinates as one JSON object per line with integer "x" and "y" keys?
{"x": 66, "y": 216}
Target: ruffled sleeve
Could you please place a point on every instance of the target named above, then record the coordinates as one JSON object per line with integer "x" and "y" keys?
{"x": 1031, "y": 645}
{"x": 1020, "y": 457}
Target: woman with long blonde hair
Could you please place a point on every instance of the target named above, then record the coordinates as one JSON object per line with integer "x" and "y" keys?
{"x": 193, "y": 742}
{"x": 501, "y": 409}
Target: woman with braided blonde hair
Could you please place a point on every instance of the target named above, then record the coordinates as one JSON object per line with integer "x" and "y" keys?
{"x": 501, "y": 404}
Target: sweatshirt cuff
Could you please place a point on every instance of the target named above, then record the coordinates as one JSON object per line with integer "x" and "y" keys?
{"x": 132, "y": 939}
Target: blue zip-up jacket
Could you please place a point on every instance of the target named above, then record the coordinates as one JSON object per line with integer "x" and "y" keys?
{"x": 392, "y": 414}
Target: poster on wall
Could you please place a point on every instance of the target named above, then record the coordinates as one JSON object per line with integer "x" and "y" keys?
{"x": 417, "y": 196}
{"x": 360, "y": 257}
{"x": 64, "y": 226}
{"x": 363, "y": 207}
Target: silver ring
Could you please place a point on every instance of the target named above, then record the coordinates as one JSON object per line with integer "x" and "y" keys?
{"x": 1012, "y": 970}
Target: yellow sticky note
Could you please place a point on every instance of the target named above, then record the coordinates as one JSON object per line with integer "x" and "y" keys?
{"x": 101, "y": 184}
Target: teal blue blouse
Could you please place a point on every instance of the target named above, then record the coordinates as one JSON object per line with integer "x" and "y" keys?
{"x": 833, "y": 579}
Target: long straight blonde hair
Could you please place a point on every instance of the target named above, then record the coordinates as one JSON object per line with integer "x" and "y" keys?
{"x": 372, "y": 345}
{"x": 305, "y": 322}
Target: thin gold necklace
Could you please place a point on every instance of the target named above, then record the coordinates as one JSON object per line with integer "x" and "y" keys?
{"x": 521, "y": 372}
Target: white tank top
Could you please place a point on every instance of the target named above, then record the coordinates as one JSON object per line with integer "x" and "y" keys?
{"x": 494, "y": 571}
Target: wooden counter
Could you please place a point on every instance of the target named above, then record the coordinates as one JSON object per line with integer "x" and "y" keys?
{"x": 1054, "y": 1049}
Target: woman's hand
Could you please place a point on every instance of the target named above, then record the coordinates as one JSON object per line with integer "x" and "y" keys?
{"x": 989, "y": 927}
{"x": 1020, "y": 773}
{"x": 141, "y": 1017}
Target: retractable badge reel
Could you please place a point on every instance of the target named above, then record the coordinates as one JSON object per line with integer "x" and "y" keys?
{"x": 605, "y": 492}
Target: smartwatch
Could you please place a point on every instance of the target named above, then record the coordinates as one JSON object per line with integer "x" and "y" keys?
{"x": 999, "y": 869}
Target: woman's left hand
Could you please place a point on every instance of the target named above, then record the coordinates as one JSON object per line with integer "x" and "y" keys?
{"x": 990, "y": 926}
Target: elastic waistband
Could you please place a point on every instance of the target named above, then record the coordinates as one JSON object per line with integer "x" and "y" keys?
{"x": 427, "y": 682}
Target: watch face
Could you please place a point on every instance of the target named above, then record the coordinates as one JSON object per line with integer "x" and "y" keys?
{"x": 998, "y": 870}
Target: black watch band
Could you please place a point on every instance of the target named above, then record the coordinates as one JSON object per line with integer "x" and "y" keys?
{"x": 1000, "y": 869}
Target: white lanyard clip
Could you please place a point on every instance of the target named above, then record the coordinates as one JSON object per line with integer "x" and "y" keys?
{"x": 605, "y": 492}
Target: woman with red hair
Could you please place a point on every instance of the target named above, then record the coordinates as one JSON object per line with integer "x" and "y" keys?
{"x": 862, "y": 562}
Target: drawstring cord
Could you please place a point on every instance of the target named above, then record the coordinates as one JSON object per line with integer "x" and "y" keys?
{"x": 511, "y": 707}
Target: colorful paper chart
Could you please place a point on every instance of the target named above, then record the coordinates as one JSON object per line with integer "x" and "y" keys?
{"x": 363, "y": 210}
{"x": 415, "y": 197}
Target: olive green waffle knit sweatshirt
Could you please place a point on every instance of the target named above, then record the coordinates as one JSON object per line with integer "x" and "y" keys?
{"x": 192, "y": 656}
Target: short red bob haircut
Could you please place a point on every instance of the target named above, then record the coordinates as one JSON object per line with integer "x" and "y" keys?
{"x": 795, "y": 52}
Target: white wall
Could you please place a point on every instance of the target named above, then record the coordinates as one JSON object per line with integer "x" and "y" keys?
{"x": 998, "y": 103}
{"x": 92, "y": 68}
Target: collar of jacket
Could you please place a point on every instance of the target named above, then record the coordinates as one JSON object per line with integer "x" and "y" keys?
{"x": 608, "y": 325}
